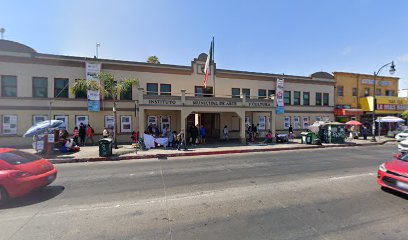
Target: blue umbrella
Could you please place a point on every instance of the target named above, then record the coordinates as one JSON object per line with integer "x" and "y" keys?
{"x": 41, "y": 127}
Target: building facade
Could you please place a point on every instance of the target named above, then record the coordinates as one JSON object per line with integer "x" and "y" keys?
{"x": 354, "y": 96}
{"x": 34, "y": 87}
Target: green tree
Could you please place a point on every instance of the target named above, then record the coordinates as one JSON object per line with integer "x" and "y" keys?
{"x": 153, "y": 59}
{"x": 108, "y": 87}
{"x": 405, "y": 114}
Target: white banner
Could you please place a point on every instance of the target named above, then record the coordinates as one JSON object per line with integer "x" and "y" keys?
{"x": 279, "y": 97}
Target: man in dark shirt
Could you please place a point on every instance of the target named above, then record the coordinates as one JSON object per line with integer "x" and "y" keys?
{"x": 82, "y": 133}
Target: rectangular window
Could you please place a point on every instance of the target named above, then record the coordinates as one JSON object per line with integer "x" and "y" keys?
{"x": 378, "y": 92}
{"x": 236, "y": 92}
{"x": 286, "y": 123}
{"x": 126, "y": 124}
{"x": 40, "y": 87}
{"x": 354, "y": 92}
{"x": 127, "y": 94}
{"x": 325, "y": 99}
{"x": 318, "y": 99}
{"x": 9, "y": 124}
{"x": 287, "y": 98}
{"x": 366, "y": 92}
{"x": 200, "y": 91}
{"x": 81, "y": 119}
{"x": 389, "y": 92}
{"x": 152, "y": 89}
{"x": 81, "y": 94}
{"x": 165, "y": 89}
{"x": 61, "y": 87}
{"x": 340, "y": 91}
{"x": 39, "y": 118}
{"x": 271, "y": 92}
{"x": 8, "y": 86}
{"x": 296, "y": 98}
{"x": 306, "y": 98}
{"x": 64, "y": 119}
{"x": 305, "y": 122}
{"x": 296, "y": 122}
{"x": 261, "y": 93}
{"x": 246, "y": 92}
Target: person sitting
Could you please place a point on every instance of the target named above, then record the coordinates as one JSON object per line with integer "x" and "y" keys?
{"x": 269, "y": 137}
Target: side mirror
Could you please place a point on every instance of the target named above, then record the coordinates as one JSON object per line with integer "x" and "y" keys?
{"x": 397, "y": 156}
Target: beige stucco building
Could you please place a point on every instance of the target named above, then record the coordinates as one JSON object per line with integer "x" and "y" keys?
{"x": 34, "y": 88}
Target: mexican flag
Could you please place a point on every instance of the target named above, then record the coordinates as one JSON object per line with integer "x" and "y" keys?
{"x": 208, "y": 63}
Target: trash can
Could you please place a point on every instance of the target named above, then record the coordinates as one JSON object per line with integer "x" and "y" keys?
{"x": 304, "y": 137}
{"x": 105, "y": 147}
{"x": 311, "y": 136}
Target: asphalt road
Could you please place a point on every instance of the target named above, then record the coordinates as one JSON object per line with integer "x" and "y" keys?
{"x": 307, "y": 194}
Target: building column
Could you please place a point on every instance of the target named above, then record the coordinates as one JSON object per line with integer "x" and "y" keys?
{"x": 184, "y": 114}
{"x": 242, "y": 129}
{"x": 272, "y": 123}
{"x": 141, "y": 121}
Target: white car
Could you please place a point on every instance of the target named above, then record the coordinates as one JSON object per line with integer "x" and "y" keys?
{"x": 403, "y": 146}
{"x": 402, "y": 136}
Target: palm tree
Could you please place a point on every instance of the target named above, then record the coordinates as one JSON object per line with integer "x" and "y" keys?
{"x": 153, "y": 59}
{"x": 108, "y": 87}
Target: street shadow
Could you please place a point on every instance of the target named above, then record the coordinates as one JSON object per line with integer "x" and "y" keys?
{"x": 395, "y": 193}
{"x": 37, "y": 196}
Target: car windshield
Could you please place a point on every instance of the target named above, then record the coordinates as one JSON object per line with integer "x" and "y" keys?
{"x": 405, "y": 131}
{"x": 404, "y": 157}
{"x": 18, "y": 157}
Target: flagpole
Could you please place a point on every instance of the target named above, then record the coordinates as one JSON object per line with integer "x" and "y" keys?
{"x": 213, "y": 46}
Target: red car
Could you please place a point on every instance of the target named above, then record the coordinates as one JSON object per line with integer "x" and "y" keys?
{"x": 394, "y": 174}
{"x": 21, "y": 173}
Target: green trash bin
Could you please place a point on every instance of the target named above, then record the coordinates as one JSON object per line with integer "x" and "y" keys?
{"x": 105, "y": 147}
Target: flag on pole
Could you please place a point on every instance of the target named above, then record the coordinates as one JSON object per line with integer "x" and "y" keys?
{"x": 208, "y": 63}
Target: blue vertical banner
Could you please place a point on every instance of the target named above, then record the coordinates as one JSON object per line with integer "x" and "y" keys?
{"x": 279, "y": 98}
{"x": 92, "y": 70}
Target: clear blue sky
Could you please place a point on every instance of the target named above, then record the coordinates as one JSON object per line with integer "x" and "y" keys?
{"x": 287, "y": 36}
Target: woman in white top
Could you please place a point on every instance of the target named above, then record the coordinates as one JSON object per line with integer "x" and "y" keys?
{"x": 225, "y": 131}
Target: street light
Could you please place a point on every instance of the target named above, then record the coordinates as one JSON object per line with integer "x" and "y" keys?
{"x": 391, "y": 71}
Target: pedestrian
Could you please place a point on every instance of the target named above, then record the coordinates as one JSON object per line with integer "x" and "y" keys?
{"x": 225, "y": 131}
{"x": 90, "y": 134}
{"x": 253, "y": 131}
{"x": 105, "y": 133}
{"x": 170, "y": 139}
{"x": 82, "y": 134}
{"x": 181, "y": 140}
{"x": 202, "y": 134}
{"x": 364, "y": 132}
{"x": 291, "y": 132}
{"x": 76, "y": 135}
{"x": 195, "y": 135}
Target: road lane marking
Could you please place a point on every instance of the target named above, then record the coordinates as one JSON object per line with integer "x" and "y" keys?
{"x": 351, "y": 176}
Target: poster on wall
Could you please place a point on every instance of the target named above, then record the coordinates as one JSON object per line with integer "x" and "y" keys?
{"x": 92, "y": 70}
{"x": 305, "y": 122}
{"x": 64, "y": 119}
{"x": 9, "y": 124}
{"x": 279, "y": 97}
{"x": 81, "y": 119}
{"x": 166, "y": 123}
{"x": 318, "y": 119}
{"x": 39, "y": 118}
{"x": 247, "y": 122}
{"x": 286, "y": 123}
{"x": 261, "y": 122}
{"x": 296, "y": 122}
{"x": 151, "y": 121}
{"x": 125, "y": 123}
{"x": 326, "y": 119}
{"x": 109, "y": 122}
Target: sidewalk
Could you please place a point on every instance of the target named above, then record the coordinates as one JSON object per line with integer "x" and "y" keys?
{"x": 126, "y": 152}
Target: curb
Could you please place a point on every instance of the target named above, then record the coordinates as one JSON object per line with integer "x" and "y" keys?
{"x": 222, "y": 152}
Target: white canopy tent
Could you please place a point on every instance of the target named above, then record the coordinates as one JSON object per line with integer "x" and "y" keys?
{"x": 389, "y": 120}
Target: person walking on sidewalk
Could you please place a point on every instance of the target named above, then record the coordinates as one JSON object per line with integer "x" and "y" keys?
{"x": 82, "y": 134}
{"x": 225, "y": 131}
{"x": 202, "y": 134}
{"x": 90, "y": 134}
{"x": 290, "y": 133}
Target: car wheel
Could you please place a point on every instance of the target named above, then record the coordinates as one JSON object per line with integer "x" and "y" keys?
{"x": 3, "y": 196}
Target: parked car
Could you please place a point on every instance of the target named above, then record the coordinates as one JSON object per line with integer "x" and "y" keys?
{"x": 21, "y": 173}
{"x": 403, "y": 146}
{"x": 394, "y": 173}
{"x": 402, "y": 136}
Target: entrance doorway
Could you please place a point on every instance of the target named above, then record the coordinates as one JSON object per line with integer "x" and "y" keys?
{"x": 211, "y": 122}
